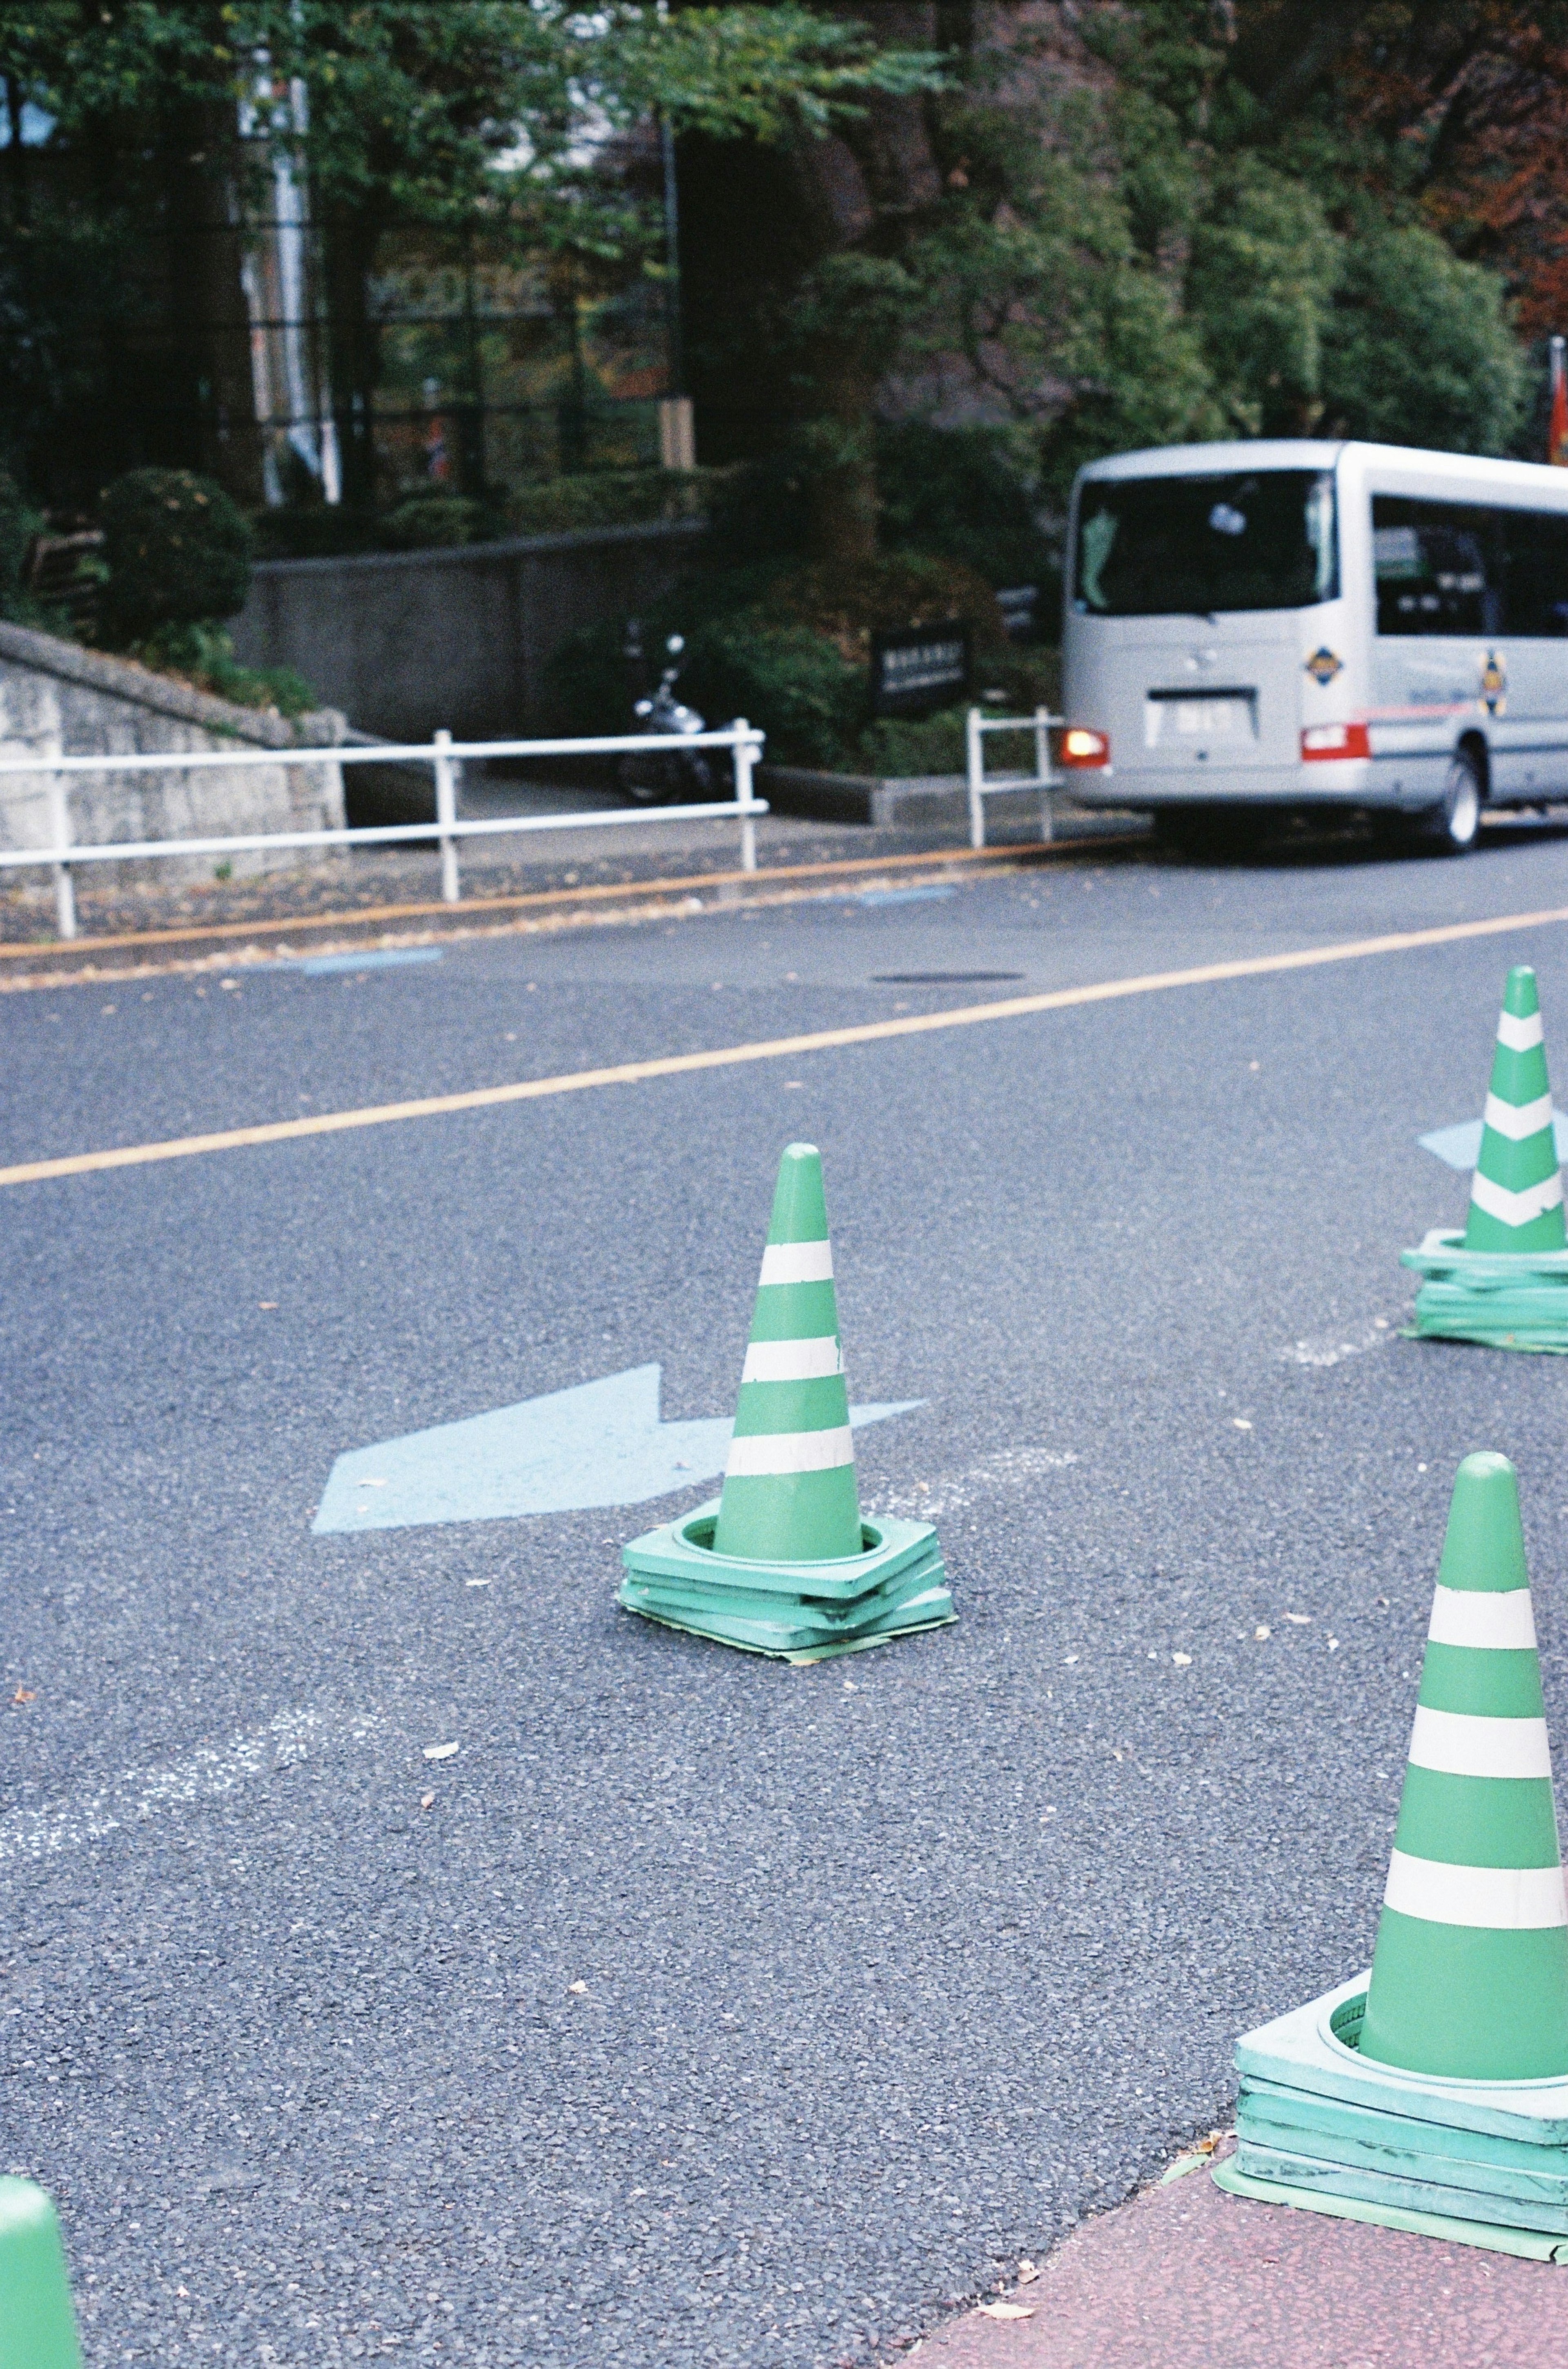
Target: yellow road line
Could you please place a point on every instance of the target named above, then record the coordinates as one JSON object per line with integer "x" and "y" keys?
{"x": 774, "y": 1048}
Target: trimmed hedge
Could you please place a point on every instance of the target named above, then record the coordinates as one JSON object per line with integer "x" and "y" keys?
{"x": 177, "y": 551}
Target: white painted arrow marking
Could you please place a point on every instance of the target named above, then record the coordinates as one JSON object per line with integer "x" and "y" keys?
{"x": 600, "y": 1444}
{"x": 1460, "y": 1146}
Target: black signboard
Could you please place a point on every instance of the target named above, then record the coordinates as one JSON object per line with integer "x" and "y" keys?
{"x": 926, "y": 668}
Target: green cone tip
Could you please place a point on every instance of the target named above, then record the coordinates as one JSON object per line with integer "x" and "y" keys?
{"x": 801, "y": 1210}
{"x": 1484, "y": 1547}
{"x": 1519, "y": 998}
{"x": 38, "y": 2329}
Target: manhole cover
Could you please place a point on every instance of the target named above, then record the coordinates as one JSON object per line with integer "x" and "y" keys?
{"x": 942, "y": 977}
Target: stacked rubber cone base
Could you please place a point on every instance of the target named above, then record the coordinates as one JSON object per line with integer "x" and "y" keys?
{"x": 796, "y": 1611}
{"x": 1502, "y": 1299}
{"x": 1320, "y": 2126}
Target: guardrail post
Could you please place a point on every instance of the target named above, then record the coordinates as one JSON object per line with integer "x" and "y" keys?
{"x": 60, "y": 832}
{"x": 446, "y": 815}
{"x": 1043, "y": 769}
{"x": 744, "y": 797}
{"x": 974, "y": 750}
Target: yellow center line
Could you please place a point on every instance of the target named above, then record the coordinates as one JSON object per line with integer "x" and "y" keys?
{"x": 774, "y": 1048}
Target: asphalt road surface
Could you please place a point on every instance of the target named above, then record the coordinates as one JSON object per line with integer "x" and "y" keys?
{"x": 716, "y": 2011}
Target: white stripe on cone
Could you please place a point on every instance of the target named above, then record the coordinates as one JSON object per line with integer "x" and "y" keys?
{"x": 1501, "y": 1899}
{"x": 1461, "y": 1744}
{"x": 1500, "y": 1622}
{"x": 1519, "y": 1036}
{"x": 812, "y": 1360}
{"x": 1515, "y": 1209}
{"x": 1518, "y": 1121}
{"x": 798, "y": 1263}
{"x": 764, "y": 1453}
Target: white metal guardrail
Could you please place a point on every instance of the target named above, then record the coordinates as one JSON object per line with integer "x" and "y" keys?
{"x": 1042, "y": 778}
{"x": 443, "y": 754}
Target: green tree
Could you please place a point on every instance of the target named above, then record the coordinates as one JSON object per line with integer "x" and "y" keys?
{"x": 1419, "y": 348}
{"x": 444, "y": 112}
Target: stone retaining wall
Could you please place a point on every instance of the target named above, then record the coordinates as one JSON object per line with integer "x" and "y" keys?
{"x": 57, "y": 699}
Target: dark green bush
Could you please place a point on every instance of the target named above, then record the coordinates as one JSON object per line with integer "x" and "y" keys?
{"x": 177, "y": 551}
{"x": 203, "y": 656}
{"x": 956, "y": 493}
{"x": 19, "y": 524}
{"x": 797, "y": 684}
{"x": 436, "y": 523}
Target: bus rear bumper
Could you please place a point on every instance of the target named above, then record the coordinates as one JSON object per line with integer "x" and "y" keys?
{"x": 1407, "y": 786}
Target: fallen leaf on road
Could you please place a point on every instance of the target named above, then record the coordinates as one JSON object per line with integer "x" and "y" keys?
{"x": 427, "y": 1801}
{"x": 1026, "y": 2270}
{"x": 439, "y": 1751}
{"x": 1300, "y": 1620}
{"x": 25, "y": 1695}
{"x": 1241, "y": 1422}
{"x": 580, "y": 1989}
{"x": 1008, "y": 2310}
{"x": 1183, "y": 1661}
{"x": 1260, "y": 1632}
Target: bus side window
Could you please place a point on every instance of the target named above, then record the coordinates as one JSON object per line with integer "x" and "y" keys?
{"x": 1439, "y": 566}
{"x": 1538, "y": 573}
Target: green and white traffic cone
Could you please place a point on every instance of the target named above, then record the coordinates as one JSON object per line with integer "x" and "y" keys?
{"x": 1469, "y": 1976}
{"x": 1503, "y": 1281}
{"x": 783, "y": 1562}
{"x": 1516, "y": 1195}
{"x": 789, "y": 1484}
{"x": 37, "y": 2326}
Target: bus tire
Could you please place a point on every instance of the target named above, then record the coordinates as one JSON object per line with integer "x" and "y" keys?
{"x": 1453, "y": 825}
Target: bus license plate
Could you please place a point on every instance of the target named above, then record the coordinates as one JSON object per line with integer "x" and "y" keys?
{"x": 1208, "y": 719}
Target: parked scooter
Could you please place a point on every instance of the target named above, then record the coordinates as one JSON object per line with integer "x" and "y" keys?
{"x": 652, "y": 776}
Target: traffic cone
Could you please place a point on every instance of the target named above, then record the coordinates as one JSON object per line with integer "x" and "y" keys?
{"x": 38, "y": 2327}
{"x": 789, "y": 1484}
{"x": 1469, "y": 1976}
{"x": 783, "y": 1562}
{"x": 1504, "y": 1280}
{"x": 1516, "y": 1195}
{"x": 1433, "y": 2096}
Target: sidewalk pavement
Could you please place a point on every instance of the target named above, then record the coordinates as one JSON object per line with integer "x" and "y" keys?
{"x": 1185, "y": 2277}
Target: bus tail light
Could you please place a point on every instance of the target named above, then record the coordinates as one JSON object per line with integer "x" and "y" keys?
{"x": 1084, "y": 749}
{"x": 1334, "y": 740}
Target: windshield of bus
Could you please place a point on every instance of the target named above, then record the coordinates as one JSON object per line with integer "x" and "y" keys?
{"x": 1193, "y": 546}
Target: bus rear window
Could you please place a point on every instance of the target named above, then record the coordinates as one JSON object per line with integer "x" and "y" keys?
{"x": 1167, "y": 546}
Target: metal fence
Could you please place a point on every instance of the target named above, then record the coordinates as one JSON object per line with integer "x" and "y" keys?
{"x": 443, "y": 755}
{"x": 1041, "y": 779}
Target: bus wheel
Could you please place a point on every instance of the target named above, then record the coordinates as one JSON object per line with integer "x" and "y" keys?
{"x": 1452, "y": 826}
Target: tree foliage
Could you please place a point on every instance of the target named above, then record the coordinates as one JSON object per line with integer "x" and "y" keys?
{"x": 433, "y": 109}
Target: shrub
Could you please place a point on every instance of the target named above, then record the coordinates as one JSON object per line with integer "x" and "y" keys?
{"x": 203, "y": 656}
{"x": 19, "y": 524}
{"x": 436, "y": 523}
{"x": 797, "y": 684}
{"x": 177, "y": 551}
{"x": 608, "y": 498}
{"x": 957, "y": 493}
{"x": 900, "y": 745}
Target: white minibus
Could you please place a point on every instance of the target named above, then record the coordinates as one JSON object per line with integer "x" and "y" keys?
{"x": 1308, "y": 624}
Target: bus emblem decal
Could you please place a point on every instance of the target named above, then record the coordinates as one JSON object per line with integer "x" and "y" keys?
{"x": 1323, "y": 666}
{"x": 1494, "y": 684}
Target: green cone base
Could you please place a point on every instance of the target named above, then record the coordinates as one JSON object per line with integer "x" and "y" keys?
{"x": 1500, "y": 1299}
{"x": 792, "y": 1611}
{"x": 38, "y": 2324}
{"x": 1529, "y": 2243}
{"x": 1325, "y": 2126}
